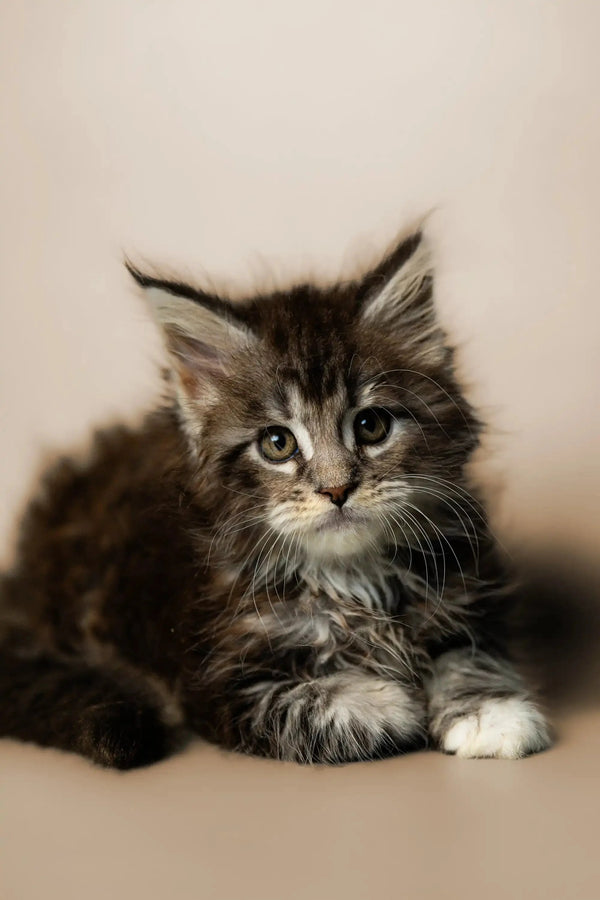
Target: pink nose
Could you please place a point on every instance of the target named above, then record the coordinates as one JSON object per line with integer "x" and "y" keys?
{"x": 337, "y": 495}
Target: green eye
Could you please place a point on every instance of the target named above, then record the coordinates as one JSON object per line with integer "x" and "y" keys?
{"x": 278, "y": 444}
{"x": 372, "y": 426}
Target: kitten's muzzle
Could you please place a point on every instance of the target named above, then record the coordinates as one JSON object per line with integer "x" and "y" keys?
{"x": 338, "y": 495}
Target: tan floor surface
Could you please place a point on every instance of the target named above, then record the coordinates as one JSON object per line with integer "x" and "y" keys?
{"x": 212, "y": 825}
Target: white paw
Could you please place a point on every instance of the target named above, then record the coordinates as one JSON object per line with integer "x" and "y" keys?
{"x": 505, "y": 729}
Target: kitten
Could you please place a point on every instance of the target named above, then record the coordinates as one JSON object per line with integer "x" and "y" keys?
{"x": 285, "y": 559}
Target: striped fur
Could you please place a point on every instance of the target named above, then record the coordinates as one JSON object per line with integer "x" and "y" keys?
{"x": 343, "y": 603}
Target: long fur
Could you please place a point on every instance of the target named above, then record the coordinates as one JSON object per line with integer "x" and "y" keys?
{"x": 182, "y": 580}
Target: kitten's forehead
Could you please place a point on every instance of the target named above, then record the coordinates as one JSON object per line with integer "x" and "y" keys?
{"x": 291, "y": 405}
{"x": 307, "y": 408}
{"x": 321, "y": 407}
{"x": 313, "y": 363}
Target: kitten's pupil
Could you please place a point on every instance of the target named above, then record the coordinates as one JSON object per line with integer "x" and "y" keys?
{"x": 372, "y": 426}
{"x": 278, "y": 440}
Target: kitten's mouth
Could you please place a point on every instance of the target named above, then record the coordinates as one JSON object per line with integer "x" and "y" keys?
{"x": 340, "y": 520}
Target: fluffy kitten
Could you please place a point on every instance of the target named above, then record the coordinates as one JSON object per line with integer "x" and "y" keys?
{"x": 285, "y": 559}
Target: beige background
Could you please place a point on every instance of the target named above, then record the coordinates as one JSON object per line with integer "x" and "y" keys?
{"x": 248, "y": 141}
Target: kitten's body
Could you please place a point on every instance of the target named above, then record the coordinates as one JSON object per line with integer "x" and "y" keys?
{"x": 181, "y": 578}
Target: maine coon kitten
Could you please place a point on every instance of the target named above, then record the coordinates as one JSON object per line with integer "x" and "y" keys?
{"x": 285, "y": 559}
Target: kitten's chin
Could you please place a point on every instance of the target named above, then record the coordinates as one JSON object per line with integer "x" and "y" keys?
{"x": 341, "y": 538}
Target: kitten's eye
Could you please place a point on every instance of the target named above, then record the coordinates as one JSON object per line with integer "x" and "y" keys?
{"x": 278, "y": 444}
{"x": 372, "y": 426}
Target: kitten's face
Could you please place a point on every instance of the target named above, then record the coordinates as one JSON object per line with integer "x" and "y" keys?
{"x": 331, "y": 467}
{"x": 322, "y": 419}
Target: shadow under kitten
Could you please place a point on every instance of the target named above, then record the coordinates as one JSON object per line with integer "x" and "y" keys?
{"x": 557, "y": 629}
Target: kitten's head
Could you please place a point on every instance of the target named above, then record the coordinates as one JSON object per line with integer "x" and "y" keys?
{"x": 325, "y": 415}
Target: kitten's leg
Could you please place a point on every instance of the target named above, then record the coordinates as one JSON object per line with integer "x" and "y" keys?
{"x": 479, "y": 706}
{"x": 81, "y": 709}
{"x": 338, "y": 718}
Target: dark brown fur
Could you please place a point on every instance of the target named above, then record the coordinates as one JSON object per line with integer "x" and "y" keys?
{"x": 131, "y": 616}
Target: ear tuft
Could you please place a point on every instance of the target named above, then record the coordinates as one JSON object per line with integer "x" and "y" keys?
{"x": 400, "y": 289}
{"x": 202, "y": 332}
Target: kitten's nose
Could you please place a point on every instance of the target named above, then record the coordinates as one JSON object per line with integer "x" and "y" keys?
{"x": 337, "y": 495}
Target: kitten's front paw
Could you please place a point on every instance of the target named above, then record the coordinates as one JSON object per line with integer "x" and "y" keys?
{"x": 334, "y": 719}
{"x": 505, "y": 729}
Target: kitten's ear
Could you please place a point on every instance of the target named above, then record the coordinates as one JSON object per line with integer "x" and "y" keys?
{"x": 202, "y": 332}
{"x": 399, "y": 291}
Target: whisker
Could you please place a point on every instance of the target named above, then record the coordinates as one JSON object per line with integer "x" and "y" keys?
{"x": 412, "y": 519}
{"x": 438, "y": 386}
{"x": 471, "y": 537}
{"x": 241, "y": 493}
